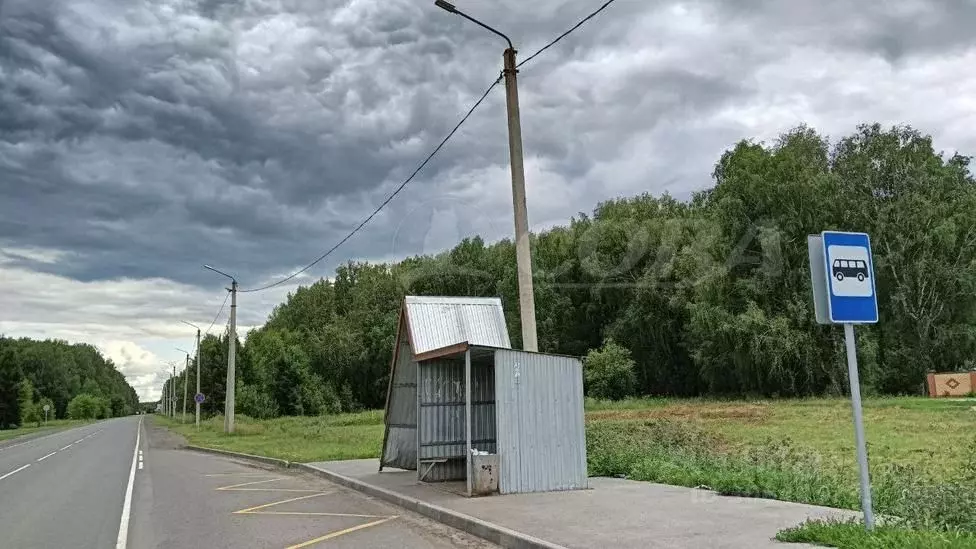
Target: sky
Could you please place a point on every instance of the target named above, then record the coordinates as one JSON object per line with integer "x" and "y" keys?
{"x": 140, "y": 139}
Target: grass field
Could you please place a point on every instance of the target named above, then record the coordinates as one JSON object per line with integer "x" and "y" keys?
{"x": 324, "y": 438}
{"x": 53, "y": 425}
{"x": 922, "y": 454}
{"x": 933, "y": 434}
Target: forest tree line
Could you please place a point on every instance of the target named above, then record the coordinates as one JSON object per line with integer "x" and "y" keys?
{"x": 709, "y": 296}
{"x": 74, "y": 380}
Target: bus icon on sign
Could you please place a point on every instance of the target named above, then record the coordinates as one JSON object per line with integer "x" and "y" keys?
{"x": 849, "y": 270}
{"x": 854, "y": 268}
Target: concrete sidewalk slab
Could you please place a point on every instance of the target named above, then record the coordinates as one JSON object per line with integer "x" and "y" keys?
{"x": 614, "y": 513}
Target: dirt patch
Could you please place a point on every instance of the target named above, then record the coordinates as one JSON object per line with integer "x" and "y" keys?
{"x": 751, "y": 413}
{"x": 161, "y": 437}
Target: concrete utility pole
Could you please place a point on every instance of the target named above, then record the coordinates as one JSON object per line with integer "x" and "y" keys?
{"x": 186, "y": 379}
{"x": 231, "y": 361}
{"x": 523, "y": 250}
{"x": 197, "y": 404}
{"x": 198, "y": 380}
{"x": 172, "y": 390}
{"x": 231, "y": 353}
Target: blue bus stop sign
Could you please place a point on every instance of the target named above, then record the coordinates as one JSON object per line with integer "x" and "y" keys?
{"x": 851, "y": 296}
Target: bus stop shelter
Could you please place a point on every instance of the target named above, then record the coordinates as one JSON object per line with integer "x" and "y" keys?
{"x": 456, "y": 386}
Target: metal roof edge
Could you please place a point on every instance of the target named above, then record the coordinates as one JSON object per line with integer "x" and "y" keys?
{"x": 453, "y": 300}
{"x": 460, "y": 348}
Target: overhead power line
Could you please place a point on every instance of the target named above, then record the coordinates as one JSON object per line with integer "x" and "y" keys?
{"x": 426, "y": 160}
{"x": 567, "y": 33}
{"x": 388, "y": 199}
{"x": 218, "y": 313}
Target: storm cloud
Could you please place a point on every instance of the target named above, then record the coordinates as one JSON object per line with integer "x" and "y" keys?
{"x": 140, "y": 139}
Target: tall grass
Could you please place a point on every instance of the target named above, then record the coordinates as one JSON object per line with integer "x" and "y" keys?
{"x": 679, "y": 453}
{"x": 852, "y": 535}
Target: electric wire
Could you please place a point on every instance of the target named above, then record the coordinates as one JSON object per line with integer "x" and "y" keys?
{"x": 427, "y": 159}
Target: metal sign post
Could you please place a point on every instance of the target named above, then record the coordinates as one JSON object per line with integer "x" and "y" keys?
{"x": 842, "y": 276}
{"x": 862, "y": 448}
{"x": 47, "y": 408}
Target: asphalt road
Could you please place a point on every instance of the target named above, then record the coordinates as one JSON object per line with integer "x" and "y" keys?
{"x": 69, "y": 489}
{"x": 66, "y": 489}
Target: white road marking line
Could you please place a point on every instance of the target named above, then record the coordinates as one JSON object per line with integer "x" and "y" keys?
{"x": 66, "y": 447}
{"x": 140, "y": 460}
{"x": 79, "y": 440}
{"x": 47, "y": 456}
{"x": 15, "y": 471}
{"x": 31, "y": 440}
{"x": 123, "y": 538}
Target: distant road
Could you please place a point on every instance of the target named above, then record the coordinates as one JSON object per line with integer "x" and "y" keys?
{"x": 72, "y": 488}
{"x": 66, "y": 489}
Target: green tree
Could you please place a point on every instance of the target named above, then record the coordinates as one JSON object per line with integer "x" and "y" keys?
{"x": 608, "y": 372}
{"x": 25, "y": 400}
{"x": 709, "y": 296}
{"x": 87, "y": 406}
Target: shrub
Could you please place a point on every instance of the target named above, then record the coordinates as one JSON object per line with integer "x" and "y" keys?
{"x": 609, "y": 372}
{"x": 251, "y": 401}
{"x": 88, "y": 406}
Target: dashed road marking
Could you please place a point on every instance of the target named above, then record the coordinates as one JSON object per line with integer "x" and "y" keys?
{"x": 19, "y": 469}
{"x": 140, "y": 460}
{"x": 341, "y": 533}
{"x": 47, "y": 456}
{"x": 123, "y": 539}
{"x": 66, "y": 447}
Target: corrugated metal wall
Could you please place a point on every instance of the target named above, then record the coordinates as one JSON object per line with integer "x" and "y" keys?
{"x": 401, "y": 439}
{"x": 541, "y": 436}
{"x": 438, "y": 322}
{"x": 441, "y": 402}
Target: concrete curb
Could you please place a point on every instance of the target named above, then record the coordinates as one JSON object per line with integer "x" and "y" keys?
{"x": 499, "y": 535}
{"x": 284, "y": 464}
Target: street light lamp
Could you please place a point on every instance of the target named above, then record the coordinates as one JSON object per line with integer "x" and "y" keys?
{"x": 449, "y": 7}
{"x": 231, "y": 353}
{"x": 196, "y": 404}
{"x": 523, "y": 251}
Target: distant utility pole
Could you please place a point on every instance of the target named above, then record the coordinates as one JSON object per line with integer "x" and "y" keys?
{"x": 523, "y": 250}
{"x": 186, "y": 379}
{"x": 231, "y": 353}
{"x": 172, "y": 389}
{"x": 198, "y": 372}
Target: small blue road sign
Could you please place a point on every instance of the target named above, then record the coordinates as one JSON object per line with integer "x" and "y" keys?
{"x": 199, "y": 398}
{"x": 849, "y": 266}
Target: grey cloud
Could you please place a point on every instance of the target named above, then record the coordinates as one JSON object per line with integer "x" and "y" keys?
{"x": 148, "y": 137}
{"x": 893, "y": 30}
